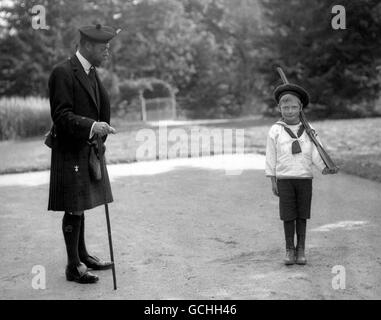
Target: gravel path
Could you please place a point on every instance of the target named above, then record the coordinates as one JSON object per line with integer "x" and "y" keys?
{"x": 183, "y": 230}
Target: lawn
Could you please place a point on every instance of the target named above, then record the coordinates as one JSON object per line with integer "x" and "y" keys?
{"x": 355, "y": 145}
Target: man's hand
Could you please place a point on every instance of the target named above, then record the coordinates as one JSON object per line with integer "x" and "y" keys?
{"x": 330, "y": 171}
{"x": 102, "y": 128}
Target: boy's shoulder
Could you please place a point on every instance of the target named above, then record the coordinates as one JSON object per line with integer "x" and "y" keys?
{"x": 275, "y": 129}
{"x": 277, "y": 125}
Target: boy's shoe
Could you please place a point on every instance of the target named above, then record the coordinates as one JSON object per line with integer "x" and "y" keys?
{"x": 290, "y": 257}
{"x": 300, "y": 256}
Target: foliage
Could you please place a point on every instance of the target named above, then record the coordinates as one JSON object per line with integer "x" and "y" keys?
{"x": 338, "y": 67}
{"x": 20, "y": 117}
{"x": 219, "y": 54}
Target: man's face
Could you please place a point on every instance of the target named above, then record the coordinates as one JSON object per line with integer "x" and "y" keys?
{"x": 99, "y": 52}
{"x": 290, "y": 107}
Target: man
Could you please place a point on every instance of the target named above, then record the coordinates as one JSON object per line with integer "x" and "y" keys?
{"x": 80, "y": 110}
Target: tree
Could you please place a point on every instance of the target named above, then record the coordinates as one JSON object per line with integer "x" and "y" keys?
{"x": 338, "y": 67}
{"x": 29, "y": 54}
{"x": 233, "y": 29}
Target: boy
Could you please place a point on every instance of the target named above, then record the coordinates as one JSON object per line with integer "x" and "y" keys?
{"x": 290, "y": 155}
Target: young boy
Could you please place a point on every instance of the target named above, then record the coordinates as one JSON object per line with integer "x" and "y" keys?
{"x": 290, "y": 155}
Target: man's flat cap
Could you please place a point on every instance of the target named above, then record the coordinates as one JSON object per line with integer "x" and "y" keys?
{"x": 290, "y": 88}
{"x": 98, "y": 33}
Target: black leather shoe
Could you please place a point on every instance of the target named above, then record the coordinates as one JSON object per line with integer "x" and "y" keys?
{"x": 95, "y": 263}
{"x": 80, "y": 274}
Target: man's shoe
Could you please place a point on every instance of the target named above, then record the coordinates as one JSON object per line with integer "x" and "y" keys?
{"x": 290, "y": 257}
{"x": 300, "y": 256}
{"x": 80, "y": 274}
{"x": 95, "y": 263}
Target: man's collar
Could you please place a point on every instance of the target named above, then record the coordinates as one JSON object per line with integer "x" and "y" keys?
{"x": 84, "y": 62}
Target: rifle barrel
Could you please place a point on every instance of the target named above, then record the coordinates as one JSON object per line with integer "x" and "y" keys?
{"x": 282, "y": 75}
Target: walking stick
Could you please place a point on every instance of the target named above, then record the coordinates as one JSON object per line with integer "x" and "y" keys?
{"x": 102, "y": 160}
{"x": 311, "y": 133}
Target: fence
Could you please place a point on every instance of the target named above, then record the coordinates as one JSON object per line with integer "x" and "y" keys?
{"x": 160, "y": 109}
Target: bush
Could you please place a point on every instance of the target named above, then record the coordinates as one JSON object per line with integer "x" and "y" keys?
{"x": 128, "y": 101}
{"x": 111, "y": 83}
{"x": 24, "y": 117}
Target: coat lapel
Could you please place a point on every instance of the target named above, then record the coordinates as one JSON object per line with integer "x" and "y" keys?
{"x": 82, "y": 78}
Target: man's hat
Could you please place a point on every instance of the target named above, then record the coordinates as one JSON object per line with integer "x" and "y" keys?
{"x": 290, "y": 88}
{"x": 98, "y": 33}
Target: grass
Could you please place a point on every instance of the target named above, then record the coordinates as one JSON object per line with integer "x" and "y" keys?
{"x": 23, "y": 117}
{"x": 355, "y": 145}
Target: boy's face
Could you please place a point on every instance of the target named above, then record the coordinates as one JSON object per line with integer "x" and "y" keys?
{"x": 290, "y": 107}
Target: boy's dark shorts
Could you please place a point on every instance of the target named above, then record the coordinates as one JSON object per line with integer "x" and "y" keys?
{"x": 294, "y": 198}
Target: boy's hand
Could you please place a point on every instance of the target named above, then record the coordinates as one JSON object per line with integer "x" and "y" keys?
{"x": 330, "y": 171}
{"x": 325, "y": 171}
{"x": 275, "y": 189}
{"x": 274, "y": 186}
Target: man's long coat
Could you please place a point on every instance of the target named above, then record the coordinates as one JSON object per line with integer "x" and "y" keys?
{"x": 74, "y": 108}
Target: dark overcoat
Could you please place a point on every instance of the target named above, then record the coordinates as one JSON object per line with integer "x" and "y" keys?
{"x": 74, "y": 108}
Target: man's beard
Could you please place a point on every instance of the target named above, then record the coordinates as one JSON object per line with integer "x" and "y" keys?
{"x": 97, "y": 63}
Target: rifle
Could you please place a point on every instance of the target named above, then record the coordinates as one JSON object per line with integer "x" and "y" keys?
{"x": 312, "y": 134}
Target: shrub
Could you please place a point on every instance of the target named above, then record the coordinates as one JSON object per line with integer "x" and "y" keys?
{"x": 24, "y": 117}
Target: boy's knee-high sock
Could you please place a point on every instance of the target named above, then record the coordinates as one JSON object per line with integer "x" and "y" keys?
{"x": 301, "y": 226}
{"x": 81, "y": 243}
{"x": 71, "y": 228}
{"x": 289, "y": 232}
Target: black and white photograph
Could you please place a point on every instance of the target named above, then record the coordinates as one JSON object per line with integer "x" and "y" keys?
{"x": 190, "y": 150}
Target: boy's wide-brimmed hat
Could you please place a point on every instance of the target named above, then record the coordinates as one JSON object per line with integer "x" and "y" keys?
{"x": 290, "y": 88}
{"x": 98, "y": 33}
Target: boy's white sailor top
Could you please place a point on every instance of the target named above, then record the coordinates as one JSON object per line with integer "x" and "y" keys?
{"x": 281, "y": 163}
